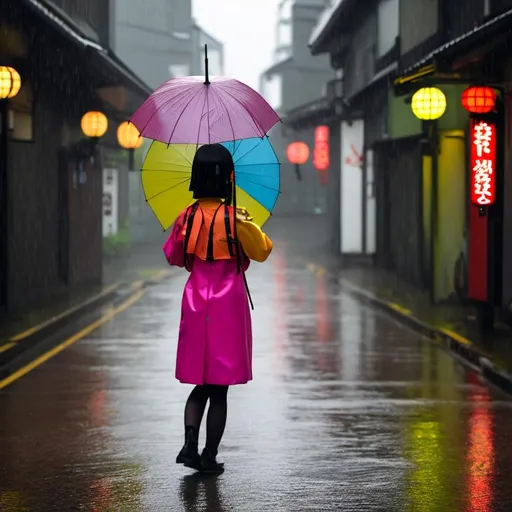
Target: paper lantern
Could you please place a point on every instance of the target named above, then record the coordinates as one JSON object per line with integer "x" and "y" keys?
{"x": 479, "y": 99}
{"x": 10, "y": 82}
{"x": 428, "y": 104}
{"x": 297, "y": 153}
{"x": 94, "y": 124}
{"x": 128, "y": 136}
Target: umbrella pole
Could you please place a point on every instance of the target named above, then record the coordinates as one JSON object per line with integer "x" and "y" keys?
{"x": 206, "y": 71}
{"x": 237, "y": 248}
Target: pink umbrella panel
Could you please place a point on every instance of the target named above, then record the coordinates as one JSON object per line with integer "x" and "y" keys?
{"x": 188, "y": 111}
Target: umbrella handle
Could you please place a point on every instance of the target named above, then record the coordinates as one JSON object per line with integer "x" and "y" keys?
{"x": 206, "y": 71}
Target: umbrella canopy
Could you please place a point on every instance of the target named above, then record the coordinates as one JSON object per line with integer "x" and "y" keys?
{"x": 167, "y": 170}
{"x": 190, "y": 111}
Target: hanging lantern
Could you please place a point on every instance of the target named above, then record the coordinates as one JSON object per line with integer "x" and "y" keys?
{"x": 94, "y": 124}
{"x": 128, "y": 136}
{"x": 297, "y": 153}
{"x": 479, "y": 99}
{"x": 10, "y": 82}
{"x": 428, "y": 104}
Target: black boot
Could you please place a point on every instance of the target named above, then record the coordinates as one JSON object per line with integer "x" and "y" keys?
{"x": 189, "y": 454}
{"x": 209, "y": 463}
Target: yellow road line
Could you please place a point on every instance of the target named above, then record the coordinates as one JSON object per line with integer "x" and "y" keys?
{"x": 6, "y": 347}
{"x": 42, "y": 325}
{"x": 400, "y": 309}
{"x": 73, "y": 339}
{"x": 456, "y": 336}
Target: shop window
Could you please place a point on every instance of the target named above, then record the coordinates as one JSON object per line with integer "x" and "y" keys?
{"x": 21, "y": 115}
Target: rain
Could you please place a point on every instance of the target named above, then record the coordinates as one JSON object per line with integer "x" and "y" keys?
{"x": 255, "y": 255}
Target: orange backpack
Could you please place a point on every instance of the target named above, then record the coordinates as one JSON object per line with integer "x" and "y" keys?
{"x": 209, "y": 227}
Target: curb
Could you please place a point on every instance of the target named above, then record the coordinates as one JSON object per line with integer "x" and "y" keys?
{"x": 23, "y": 345}
{"x": 457, "y": 345}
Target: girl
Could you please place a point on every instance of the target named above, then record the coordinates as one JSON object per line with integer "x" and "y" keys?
{"x": 215, "y": 338}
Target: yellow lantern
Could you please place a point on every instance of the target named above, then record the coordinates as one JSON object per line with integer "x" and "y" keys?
{"x": 10, "y": 82}
{"x": 128, "y": 136}
{"x": 428, "y": 104}
{"x": 94, "y": 124}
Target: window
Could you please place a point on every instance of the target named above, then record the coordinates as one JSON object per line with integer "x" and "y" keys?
{"x": 388, "y": 20}
{"x": 20, "y": 117}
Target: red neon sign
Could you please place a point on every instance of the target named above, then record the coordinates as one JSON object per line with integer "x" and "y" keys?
{"x": 483, "y": 163}
{"x": 321, "y": 151}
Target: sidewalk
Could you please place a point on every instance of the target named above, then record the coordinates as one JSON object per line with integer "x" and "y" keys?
{"x": 455, "y": 326}
{"x": 138, "y": 265}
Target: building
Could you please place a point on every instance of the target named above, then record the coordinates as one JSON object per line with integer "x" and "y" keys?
{"x": 414, "y": 176}
{"x": 296, "y": 78}
{"x": 50, "y": 178}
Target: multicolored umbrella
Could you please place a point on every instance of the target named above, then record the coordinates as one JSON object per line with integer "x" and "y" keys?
{"x": 167, "y": 170}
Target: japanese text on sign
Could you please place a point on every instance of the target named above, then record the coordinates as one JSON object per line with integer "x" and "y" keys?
{"x": 483, "y": 163}
{"x": 321, "y": 151}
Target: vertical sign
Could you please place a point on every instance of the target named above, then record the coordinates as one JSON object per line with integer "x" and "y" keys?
{"x": 483, "y": 163}
{"x": 321, "y": 151}
{"x": 110, "y": 202}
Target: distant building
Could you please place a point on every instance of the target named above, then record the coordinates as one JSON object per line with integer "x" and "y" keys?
{"x": 154, "y": 38}
{"x": 296, "y": 78}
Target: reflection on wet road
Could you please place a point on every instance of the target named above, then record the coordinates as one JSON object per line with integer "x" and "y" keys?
{"x": 348, "y": 411}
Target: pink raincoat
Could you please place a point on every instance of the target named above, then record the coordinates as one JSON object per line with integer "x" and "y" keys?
{"x": 215, "y": 336}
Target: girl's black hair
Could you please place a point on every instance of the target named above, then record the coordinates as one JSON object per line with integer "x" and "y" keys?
{"x": 211, "y": 172}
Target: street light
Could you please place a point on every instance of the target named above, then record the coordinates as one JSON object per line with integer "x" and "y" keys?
{"x": 129, "y": 138}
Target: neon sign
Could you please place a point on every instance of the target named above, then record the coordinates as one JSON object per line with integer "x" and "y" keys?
{"x": 483, "y": 163}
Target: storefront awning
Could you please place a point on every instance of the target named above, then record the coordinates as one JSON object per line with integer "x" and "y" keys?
{"x": 479, "y": 35}
{"x": 107, "y": 58}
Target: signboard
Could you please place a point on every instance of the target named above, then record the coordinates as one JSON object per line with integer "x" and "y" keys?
{"x": 321, "y": 159}
{"x": 483, "y": 163}
{"x": 110, "y": 202}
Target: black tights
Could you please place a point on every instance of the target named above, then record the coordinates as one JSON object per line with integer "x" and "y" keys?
{"x": 217, "y": 413}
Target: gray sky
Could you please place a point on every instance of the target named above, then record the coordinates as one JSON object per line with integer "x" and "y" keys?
{"x": 247, "y": 29}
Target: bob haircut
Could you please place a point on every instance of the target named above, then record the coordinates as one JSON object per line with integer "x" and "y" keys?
{"x": 211, "y": 172}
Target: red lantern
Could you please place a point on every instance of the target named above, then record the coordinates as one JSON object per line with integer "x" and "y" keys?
{"x": 483, "y": 163}
{"x": 297, "y": 153}
{"x": 321, "y": 152}
{"x": 479, "y": 99}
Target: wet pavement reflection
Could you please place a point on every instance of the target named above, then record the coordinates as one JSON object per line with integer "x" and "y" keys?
{"x": 348, "y": 411}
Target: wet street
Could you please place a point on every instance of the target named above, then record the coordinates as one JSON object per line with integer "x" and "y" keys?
{"x": 348, "y": 411}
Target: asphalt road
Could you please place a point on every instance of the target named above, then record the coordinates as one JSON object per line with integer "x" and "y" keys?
{"x": 349, "y": 411}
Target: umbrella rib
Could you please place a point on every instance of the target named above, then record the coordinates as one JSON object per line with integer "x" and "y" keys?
{"x": 181, "y": 114}
{"x": 157, "y": 110}
{"x": 167, "y": 189}
{"x": 259, "y": 185}
{"x": 230, "y": 123}
{"x": 201, "y": 120}
{"x": 256, "y": 123}
{"x": 245, "y": 154}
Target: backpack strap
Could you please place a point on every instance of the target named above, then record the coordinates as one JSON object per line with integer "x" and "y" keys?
{"x": 209, "y": 250}
{"x": 227, "y": 223}
{"x": 189, "y": 221}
